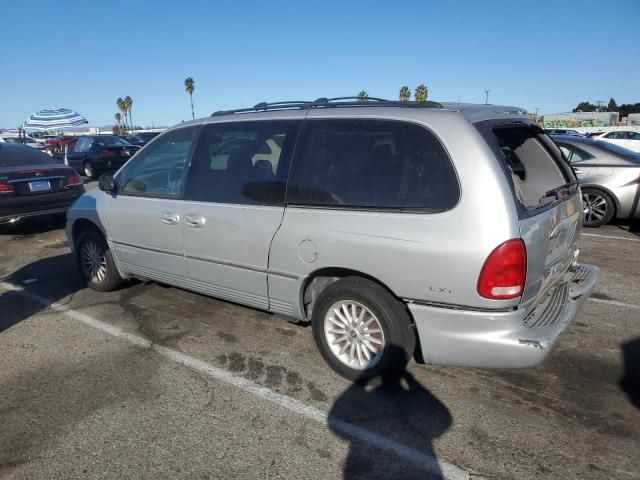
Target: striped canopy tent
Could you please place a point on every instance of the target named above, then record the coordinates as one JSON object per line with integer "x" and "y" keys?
{"x": 54, "y": 119}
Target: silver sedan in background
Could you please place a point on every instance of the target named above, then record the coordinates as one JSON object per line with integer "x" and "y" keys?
{"x": 609, "y": 176}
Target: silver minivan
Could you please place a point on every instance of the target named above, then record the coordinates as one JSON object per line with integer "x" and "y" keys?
{"x": 446, "y": 232}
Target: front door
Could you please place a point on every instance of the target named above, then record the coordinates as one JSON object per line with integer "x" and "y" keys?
{"x": 234, "y": 206}
{"x": 145, "y": 217}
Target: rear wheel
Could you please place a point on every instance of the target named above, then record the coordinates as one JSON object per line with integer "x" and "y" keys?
{"x": 88, "y": 170}
{"x": 361, "y": 330}
{"x": 599, "y": 207}
{"x": 96, "y": 263}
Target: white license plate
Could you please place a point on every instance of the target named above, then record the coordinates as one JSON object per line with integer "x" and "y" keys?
{"x": 39, "y": 186}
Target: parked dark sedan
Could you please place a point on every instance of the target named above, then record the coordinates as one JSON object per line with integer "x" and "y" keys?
{"x": 33, "y": 184}
{"x": 97, "y": 154}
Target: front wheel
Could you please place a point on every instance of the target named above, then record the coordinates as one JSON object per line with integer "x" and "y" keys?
{"x": 599, "y": 207}
{"x": 96, "y": 263}
{"x": 361, "y": 330}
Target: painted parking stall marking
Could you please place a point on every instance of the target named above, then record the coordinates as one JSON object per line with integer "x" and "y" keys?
{"x": 427, "y": 462}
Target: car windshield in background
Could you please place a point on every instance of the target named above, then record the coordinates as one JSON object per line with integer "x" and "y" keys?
{"x": 111, "y": 142}
{"x": 22, "y": 156}
{"x": 618, "y": 150}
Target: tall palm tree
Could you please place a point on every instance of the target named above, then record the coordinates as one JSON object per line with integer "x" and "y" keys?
{"x": 118, "y": 118}
{"x": 421, "y": 93}
{"x": 363, "y": 96}
{"x": 128, "y": 102}
{"x": 189, "y": 86}
{"x": 123, "y": 109}
{"x": 405, "y": 94}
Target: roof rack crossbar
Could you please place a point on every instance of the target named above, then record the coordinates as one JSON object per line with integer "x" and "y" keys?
{"x": 328, "y": 103}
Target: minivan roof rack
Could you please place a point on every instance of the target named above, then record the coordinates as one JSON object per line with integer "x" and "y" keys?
{"x": 324, "y": 102}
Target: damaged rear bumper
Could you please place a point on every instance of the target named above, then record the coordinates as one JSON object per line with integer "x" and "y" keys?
{"x": 503, "y": 339}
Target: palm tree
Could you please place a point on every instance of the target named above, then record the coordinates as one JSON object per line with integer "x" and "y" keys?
{"x": 189, "y": 86}
{"x": 128, "y": 102}
{"x": 118, "y": 117}
{"x": 363, "y": 96}
{"x": 421, "y": 93}
{"x": 405, "y": 94}
{"x": 123, "y": 109}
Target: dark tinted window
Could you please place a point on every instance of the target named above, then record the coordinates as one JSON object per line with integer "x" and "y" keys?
{"x": 158, "y": 171}
{"x": 371, "y": 164}
{"x": 110, "y": 141}
{"x": 12, "y": 155}
{"x": 242, "y": 163}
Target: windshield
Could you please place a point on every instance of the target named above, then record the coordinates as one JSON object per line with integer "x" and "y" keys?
{"x": 618, "y": 150}
{"x": 111, "y": 142}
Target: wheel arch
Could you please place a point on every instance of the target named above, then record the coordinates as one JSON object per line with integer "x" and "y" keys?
{"x": 82, "y": 225}
{"x": 318, "y": 280}
{"x": 616, "y": 201}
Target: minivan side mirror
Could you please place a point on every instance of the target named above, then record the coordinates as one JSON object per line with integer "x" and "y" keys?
{"x": 106, "y": 183}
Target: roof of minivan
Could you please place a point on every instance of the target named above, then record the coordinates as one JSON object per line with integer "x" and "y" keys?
{"x": 472, "y": 112}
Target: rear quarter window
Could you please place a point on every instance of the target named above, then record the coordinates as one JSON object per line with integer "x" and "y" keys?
{"x": 371, "y": 164}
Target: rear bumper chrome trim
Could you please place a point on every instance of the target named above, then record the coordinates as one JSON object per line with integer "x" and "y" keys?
{"x": 503, "y": 339}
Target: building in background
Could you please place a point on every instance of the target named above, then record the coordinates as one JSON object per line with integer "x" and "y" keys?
{"x": 581, "y": 119}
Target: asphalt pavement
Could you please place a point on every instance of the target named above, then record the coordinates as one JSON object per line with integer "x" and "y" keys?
{"x": 155, "y": 382}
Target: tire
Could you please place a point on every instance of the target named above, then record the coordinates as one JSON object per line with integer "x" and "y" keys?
{"x": 92, "y": 243}
{"x": 392, "y": 330}
{"x": 599, "y": 207}
{"x": 87, "y": 169}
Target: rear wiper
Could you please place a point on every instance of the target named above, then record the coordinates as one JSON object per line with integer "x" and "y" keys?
{"x": 561, "y": 192}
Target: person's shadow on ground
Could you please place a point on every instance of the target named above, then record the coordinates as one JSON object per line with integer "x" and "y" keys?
{"x": 630, "y": 383}
{"x": 393, "y": 407}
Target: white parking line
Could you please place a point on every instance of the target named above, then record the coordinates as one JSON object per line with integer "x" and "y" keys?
{"x": 610, "y": 236}
{"x": 428, "y": 462}
{"x": 615, "y": 302}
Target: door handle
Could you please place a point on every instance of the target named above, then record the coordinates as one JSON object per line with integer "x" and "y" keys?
{"x": 578, "y": 171}
{"x": 194, "y": 220}
{"x": 169, "y": 218}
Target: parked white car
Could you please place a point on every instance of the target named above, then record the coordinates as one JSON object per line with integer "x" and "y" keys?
{"x": 625, "y": 138}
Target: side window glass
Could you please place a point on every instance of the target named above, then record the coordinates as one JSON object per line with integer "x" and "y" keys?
{"x": 81, "y": 145}
{"x": 634, "y": 136}
{"x": 372, "y": 164}
{"x": 579, "y": 155}
{"x": 243, "y": 163}
{"x": 159, "y": 170}
{"x": 566, "y": 151}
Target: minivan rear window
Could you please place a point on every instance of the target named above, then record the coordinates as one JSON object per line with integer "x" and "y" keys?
{"x": 371, "y": 164}
{"x": 534, "y": 164}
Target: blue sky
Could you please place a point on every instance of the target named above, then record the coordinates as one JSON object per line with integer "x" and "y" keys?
{"x": 83, "y": 55}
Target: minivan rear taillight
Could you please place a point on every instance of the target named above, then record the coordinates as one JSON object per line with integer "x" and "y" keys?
{"x": 504, "y": 272}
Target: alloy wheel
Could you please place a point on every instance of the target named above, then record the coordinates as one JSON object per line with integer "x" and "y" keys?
{"x": 94, "y": 261}
{"x": 354, "y": 334}
{"x": 595, "y": 207}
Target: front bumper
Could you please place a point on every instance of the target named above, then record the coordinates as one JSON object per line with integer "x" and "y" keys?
{"x": 517, "y": 338}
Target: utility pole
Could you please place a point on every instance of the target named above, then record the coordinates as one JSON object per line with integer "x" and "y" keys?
{"x": 537, "y": 108}
{"x": 486, "y": 96}
{"x": 599, "y": 104}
